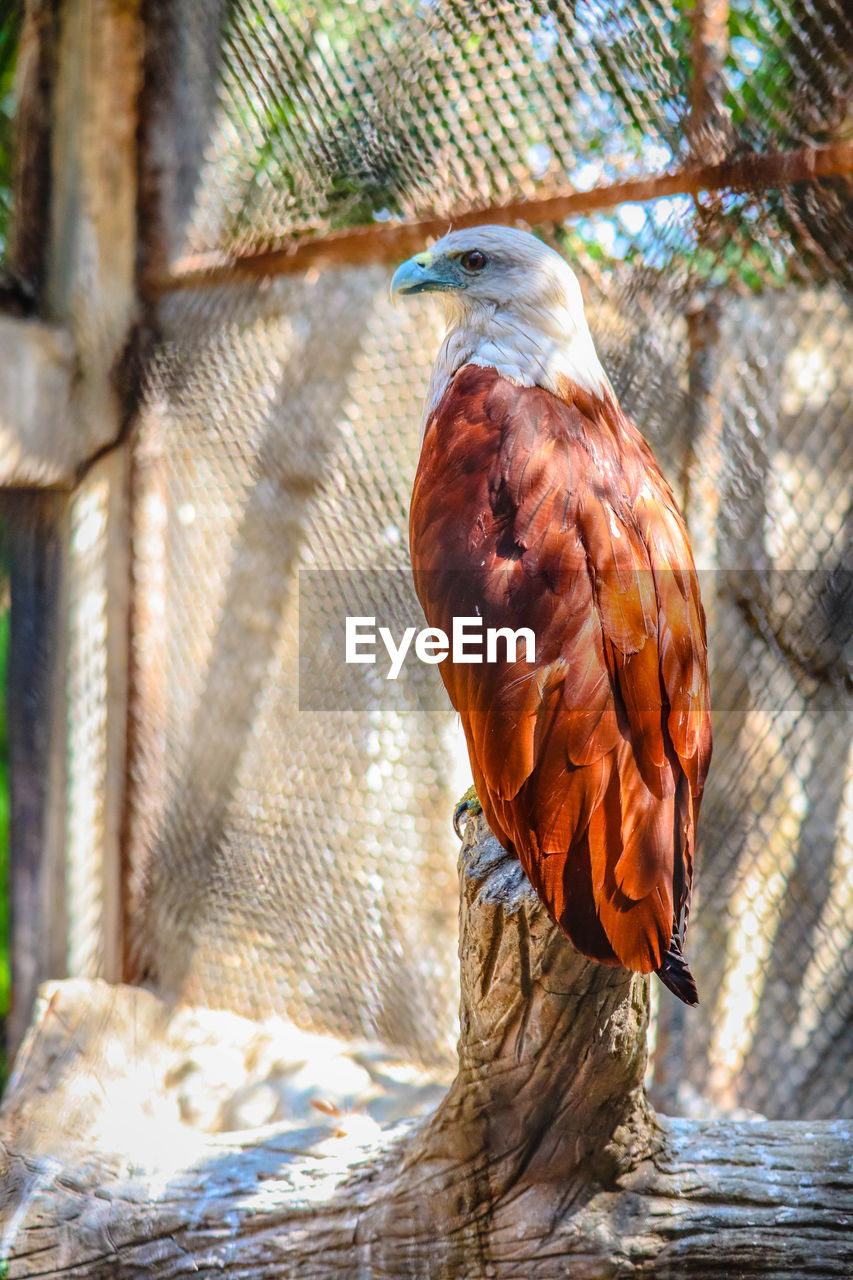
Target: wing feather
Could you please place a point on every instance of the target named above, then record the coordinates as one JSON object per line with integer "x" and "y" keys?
{"x": 530, "y": 510}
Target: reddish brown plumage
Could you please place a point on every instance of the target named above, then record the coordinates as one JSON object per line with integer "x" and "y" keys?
{"x": 551, "y": 513}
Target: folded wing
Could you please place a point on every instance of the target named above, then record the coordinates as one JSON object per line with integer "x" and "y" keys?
{"x": 534, "y": 511}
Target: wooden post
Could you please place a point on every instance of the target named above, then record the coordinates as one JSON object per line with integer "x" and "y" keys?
{"x": 708, "y": 135}
{"x": 63, "y": 412}
{"x": 707, "y": 126}
{"x": 701, "y": 459}
{"x": 32, "y": 526}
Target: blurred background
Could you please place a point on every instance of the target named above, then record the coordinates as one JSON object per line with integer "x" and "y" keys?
{"x": 199, "y": 212}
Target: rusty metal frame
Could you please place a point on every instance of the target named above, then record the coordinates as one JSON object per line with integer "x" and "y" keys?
{"x": 389, "y": 241}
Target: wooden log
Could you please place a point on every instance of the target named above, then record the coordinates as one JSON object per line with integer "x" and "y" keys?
{"x": 543, "y": 1160}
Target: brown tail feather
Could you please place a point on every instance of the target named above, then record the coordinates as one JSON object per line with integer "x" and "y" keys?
{"x": 675, "y": 973}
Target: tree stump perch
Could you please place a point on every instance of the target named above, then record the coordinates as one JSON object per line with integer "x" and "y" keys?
{"x": 544, "y": 1159}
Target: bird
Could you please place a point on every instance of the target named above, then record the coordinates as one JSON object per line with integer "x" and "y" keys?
{"x": 538, "y": 504}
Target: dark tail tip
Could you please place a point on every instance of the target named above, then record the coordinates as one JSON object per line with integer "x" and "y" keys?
{"x": 675, "y": 974}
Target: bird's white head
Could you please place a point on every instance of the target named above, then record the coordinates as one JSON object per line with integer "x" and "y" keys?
{"x": 512, "y": 304}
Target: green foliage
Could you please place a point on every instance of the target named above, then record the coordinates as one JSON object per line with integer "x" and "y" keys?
{"x": 349, "y": 113}
{"x": 11, "y": 12}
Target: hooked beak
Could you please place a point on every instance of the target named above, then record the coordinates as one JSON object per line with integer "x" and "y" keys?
{"x": 419, "y": 275}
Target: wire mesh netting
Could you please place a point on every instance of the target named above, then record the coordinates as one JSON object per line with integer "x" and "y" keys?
{"x": 286, "y": 859}
{"x": 333, "y": 114}
{"x": 316, "y": 844}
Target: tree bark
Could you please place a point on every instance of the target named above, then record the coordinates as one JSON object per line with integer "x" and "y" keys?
{"x": 543, "y": 1160}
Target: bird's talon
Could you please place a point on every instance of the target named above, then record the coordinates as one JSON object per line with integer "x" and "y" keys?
{"x": 468, "y": 805}
{"x": 459, "y": 814}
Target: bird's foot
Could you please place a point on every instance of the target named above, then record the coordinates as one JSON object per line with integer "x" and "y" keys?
{"x": 468, "y": 806}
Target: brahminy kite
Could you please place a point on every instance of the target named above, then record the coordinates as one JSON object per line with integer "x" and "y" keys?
{"x": 537, "y": 504}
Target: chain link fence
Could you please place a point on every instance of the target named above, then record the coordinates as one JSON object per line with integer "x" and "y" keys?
{"x": 289, "y": 860}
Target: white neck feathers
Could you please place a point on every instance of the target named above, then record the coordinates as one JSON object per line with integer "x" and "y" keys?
{"x": 526, "y": 345}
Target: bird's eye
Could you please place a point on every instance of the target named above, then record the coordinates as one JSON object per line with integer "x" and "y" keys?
{"x": 474, "y": 260}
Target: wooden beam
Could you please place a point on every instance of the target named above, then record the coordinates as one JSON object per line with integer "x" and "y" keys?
{"x": 35, "y": 76}
{"x": 73, "y": 238}
{"x": 38, "y": 445}
{"x": 389, "y": 242}
{"x": 91, "y": 273}
{"x": 96, "y": 662}
{"x": 67, "y": 707}
{"x": 710, "y": 138}
{"x": 34, "y": 533}
{"x": 63, "y": 408}
{"x": 708, "y": 126}
{"x": 74, "y": 227}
